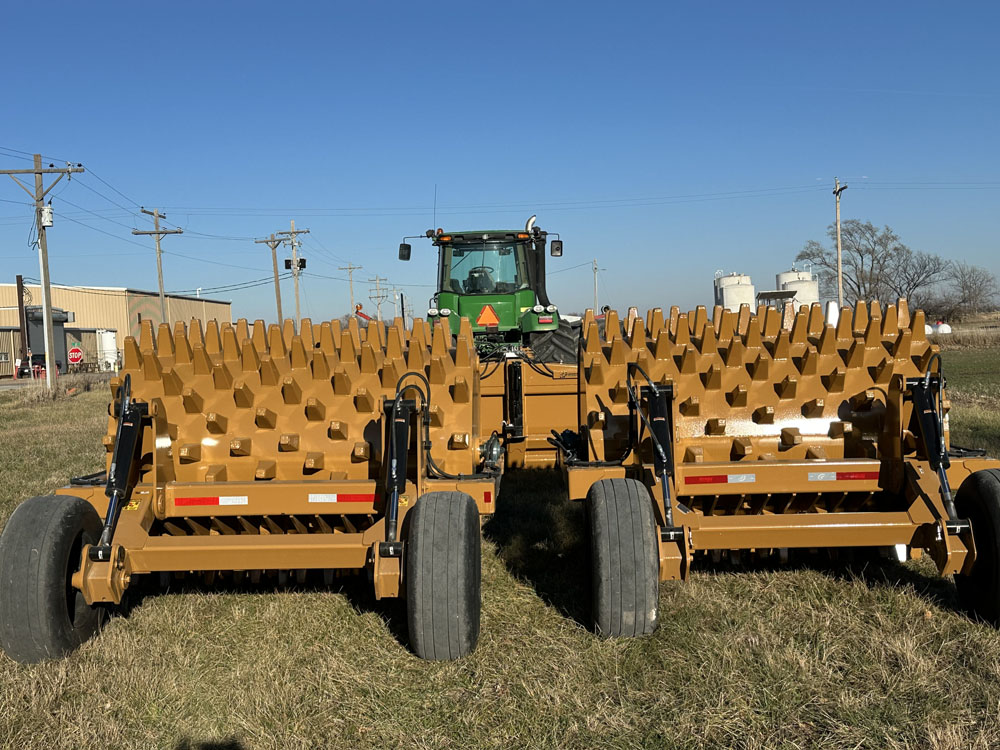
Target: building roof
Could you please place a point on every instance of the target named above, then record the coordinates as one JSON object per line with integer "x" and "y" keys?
{"x": 129, "y": 290}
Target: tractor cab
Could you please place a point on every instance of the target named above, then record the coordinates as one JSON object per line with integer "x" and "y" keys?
{"x": 495, "y": 278}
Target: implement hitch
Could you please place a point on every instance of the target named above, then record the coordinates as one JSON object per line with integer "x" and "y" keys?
{"x": 399, "y": 411}
{"x": 659, "y": 399}
{"x": 124, "y": 466}
{"x": 928, "y": 403}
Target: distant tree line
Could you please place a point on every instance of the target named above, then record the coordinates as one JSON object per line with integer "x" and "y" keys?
{"x": 878, "y": 266}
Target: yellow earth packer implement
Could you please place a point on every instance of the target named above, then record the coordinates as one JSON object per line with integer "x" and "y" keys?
{"x": 260, "y": 450}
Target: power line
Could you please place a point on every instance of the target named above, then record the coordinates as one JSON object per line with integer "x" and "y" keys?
{"x": 212, "y": 290}
{"x": 109, "y": 200}
{"x": 212, "y": 262}
{"x": 108, "y": 184}
{"x": 97, "y": 229}
{"x": 30, "y": 154}
{"x": 563, "y": 270}
{"x": 92, "y": 213}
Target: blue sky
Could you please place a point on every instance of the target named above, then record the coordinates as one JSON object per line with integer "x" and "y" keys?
{"x": 666, "y": 140}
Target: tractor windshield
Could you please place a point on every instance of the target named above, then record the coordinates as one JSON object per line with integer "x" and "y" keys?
{"x": 484, "y": 267}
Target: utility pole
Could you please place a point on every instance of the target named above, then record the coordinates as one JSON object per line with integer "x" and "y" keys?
{"x": 43, "y": 220}
{"x": 22, "y": 319}
{"x": 596, "y": 269}
{"x": 595, "y": 286}
{"x": 273, "y": 243}
{"x": 398, "y": 303}
{"x": 158, "y": 234}
{"x": 378, "y": 295}
{"x": 296, "y": 264}
{"x": 837, "y": 190}
{"x": 350, "y": 268}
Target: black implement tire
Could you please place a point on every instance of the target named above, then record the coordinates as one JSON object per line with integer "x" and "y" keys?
{"x": 41, "y": 615}
{"x": 978, "y": 500}
{"x": 624, "y": 558}
{"x": 443, "y": 556}
{"x": 559, "y": 346}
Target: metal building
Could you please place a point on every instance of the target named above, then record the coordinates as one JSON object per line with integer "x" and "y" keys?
{"x": 115, "y": 308}
{"x": 102, "y": 317}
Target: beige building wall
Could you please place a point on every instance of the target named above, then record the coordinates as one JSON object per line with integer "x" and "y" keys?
{"x": 94, "y": 307}
{"x": 8, "y": 338}
{"x": 115, "y": 308}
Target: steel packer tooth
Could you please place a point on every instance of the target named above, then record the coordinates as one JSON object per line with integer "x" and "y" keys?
{"x": 230, "y": 345}
{"x": 242, "y": 394}
{"x": 213, "y": 344}
{"x": 240, "y": 447}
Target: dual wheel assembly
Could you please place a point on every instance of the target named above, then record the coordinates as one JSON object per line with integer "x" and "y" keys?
{"x": 43, "y": 616}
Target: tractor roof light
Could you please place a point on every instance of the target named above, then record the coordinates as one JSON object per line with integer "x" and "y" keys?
{"x": 551, "y": 308}
{"x": 432, "y": 312}
{"x": 445, "y": 312}
{"x": 538, "y": 309}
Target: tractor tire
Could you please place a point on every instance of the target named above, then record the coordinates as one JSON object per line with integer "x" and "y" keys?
{"x": 978, "y": 499}
{"x": 624, "y": 558}
{"x": 41, "y": 615}
{"x": 443, "y": 556}
{"x": 559, "y": 346}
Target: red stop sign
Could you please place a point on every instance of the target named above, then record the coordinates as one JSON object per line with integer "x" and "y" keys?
{"x": 75, "y": 355}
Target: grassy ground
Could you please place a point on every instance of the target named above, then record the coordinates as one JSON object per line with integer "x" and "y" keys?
{"x": 800, "y": 656}
{"x": 974, "y": 389}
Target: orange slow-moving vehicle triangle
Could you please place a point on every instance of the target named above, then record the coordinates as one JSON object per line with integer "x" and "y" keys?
{"x": 487, "y": 317}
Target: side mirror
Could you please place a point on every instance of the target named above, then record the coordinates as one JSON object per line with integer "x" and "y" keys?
{"x": 404, "y": 251}
{"x": 555, "y": 248}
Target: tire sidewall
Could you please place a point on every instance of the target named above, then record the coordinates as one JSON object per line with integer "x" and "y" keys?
{"x": 978, "y": 499}
{"x": 46, "y": 617}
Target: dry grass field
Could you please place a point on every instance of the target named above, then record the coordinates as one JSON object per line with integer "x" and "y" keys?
{"x": 808, "y": 655}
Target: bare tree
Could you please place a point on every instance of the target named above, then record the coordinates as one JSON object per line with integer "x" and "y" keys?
{"x": 877, "y": 265}
{"x": 973, "y": 289}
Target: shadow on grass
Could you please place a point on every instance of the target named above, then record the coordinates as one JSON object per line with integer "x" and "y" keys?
{"x": 541, "y": 537}
{"x": 882, "y": 572}
{"x": 226, "y": 744}
{"x": 355, "y": 587}
{"x": 871, "y": 566}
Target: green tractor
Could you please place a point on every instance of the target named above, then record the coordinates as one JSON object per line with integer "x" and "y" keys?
{"x": 496, "y": 279}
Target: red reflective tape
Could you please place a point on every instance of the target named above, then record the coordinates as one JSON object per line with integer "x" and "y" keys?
{"x": 487, "y": 497}
{"x": 345, "y": 498}
{"x": 707, "y": 479}
{"x": 856, "y": 475}
{"x": 196, "y": 501}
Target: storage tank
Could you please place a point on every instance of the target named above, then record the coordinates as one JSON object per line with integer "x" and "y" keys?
{"x": 803, "y": 283}
{"x": 107, "y": 349}
{"x": 733, "y": 290}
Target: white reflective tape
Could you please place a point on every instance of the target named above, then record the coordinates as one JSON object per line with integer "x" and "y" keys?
{"x": 822, "y": 476}
{"x": 742, "y": 478}
{"x": 322, "y": 497}
{"x": 234, "y": 500}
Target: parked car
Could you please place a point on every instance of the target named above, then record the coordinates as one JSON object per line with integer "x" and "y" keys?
{"x": 37, "y": 360}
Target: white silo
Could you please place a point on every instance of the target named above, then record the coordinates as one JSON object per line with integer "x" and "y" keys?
{"x": 803, "y": 283}
{"x": 733, "y": 290}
